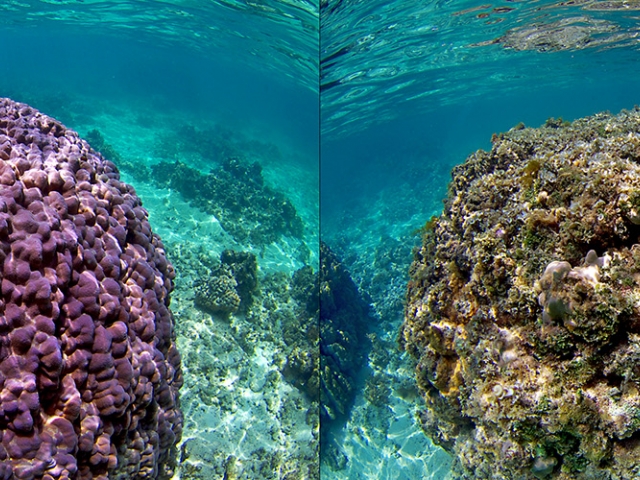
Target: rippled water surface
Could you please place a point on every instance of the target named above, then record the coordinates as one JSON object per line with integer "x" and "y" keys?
{"x": 383, "y": 59}
{"x": 275, "y": 34}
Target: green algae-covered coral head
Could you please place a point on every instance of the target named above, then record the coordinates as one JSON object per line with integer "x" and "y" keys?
{"x": 217, "y": 294}
{"x": 523, "y": 307}
{"x": 587, "y": 307}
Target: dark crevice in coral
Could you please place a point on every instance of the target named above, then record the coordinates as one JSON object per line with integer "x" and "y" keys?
{"x": 634, "y": 235}
{"x": 632, "y": 442}
{"x": 614, "y": 380}
{"x": 602, "y": 245}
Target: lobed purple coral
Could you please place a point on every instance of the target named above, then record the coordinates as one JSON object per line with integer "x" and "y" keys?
{"x": 89, "y": 371}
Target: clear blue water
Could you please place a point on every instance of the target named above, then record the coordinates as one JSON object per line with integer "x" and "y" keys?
{"x": 196, "y": 82}
{"x": 392, "y": 94}
{"x": 424, "y": 85}
{"x": 125, "y": 61}
{"x": 276, "y": 35}
{"x": 410, "y": 89}
{"x": 386, "y": 60}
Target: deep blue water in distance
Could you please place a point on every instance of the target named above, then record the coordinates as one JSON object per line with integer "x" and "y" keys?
{"x": 112, "y": 66}
{"x": 357, "y": 166}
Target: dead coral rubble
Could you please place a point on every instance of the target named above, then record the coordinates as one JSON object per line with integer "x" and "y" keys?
{"x": 523, "y": 308}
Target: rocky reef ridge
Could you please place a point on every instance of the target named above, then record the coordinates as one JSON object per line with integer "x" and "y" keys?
{"x": 523, "y": 308}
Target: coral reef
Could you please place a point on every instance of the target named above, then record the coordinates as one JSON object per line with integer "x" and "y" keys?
{"x": 344, "y": 322}
{"x": 89, "y": 371}
{"x": 381, "y": 427}
{"x": 235, "y": 192}
{"x": 302, "y": 367}
{"x": 378, "y": 390}
{"x": 381, "y": 274}
{"x": 229, "y": 285}
{"x": 218, "y": 294}
{"x": 523, "y": 308}
{"x": 305, "y": 286}
{"x": 239, "y": 399}
{"x": 237, "y": 195}
{"x": 244, "y": 268}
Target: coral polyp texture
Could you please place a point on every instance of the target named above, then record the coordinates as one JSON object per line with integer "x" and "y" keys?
{"x": 523, "y": 307}
{"x": 89, "y": 371}
{"x": 218, "y": 294}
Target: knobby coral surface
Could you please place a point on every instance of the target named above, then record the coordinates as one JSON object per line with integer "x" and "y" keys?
{"x": 524, "y": 306}
{"x": 89, "y": 373}
{"x": 218, "y": 294}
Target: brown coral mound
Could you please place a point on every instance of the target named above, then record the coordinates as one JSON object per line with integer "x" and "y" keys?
{"x": 524, "y": 306}
{"x": 89, "y": 371}
{"x": 218, "y": 294}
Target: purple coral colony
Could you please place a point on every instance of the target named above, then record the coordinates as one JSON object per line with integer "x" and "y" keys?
{"x": 524, "y": 306}
{"x": 89, "y": 371}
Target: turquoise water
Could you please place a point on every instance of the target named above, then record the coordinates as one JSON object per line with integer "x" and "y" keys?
{"x": 409, "y": 90}
{"x": 350, "y": 112}
{"x": 223, "y": 92}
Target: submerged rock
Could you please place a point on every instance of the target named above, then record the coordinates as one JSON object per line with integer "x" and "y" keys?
{"x": 217, "y": 294}
{"x": 345, "y": 321}
{"x": 523, "y": 308}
